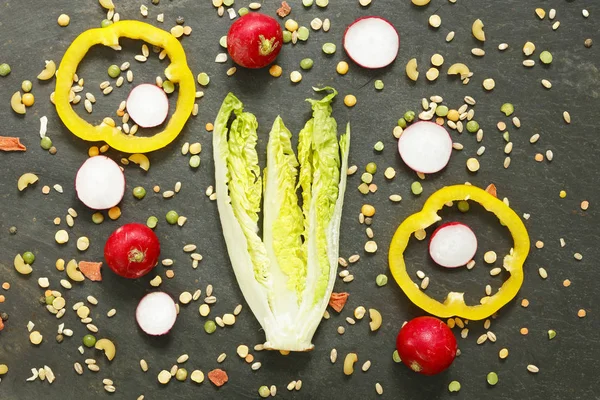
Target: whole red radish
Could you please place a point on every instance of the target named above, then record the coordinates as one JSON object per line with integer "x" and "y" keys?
{"x": 132, "y": 250}
{"x": 426, "y": 345}
{"x": 254, "y": 40}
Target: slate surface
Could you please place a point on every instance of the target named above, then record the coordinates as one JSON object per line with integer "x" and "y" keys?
{"x": 568, "y": 364}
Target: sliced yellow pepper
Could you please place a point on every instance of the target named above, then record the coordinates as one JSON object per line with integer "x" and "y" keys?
{"x": 177, "y": 72}
{"x": 454, "y": 305}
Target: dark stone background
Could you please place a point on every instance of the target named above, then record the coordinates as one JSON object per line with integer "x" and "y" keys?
{"x": 568, "y": 364}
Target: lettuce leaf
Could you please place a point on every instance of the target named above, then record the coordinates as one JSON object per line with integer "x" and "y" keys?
{"x": 288, "y": 275}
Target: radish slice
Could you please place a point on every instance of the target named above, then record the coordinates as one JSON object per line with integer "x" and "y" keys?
{"x": 100, "y": 183}
{"x": 156, "y": 313}
{"x": 372, "y": 42}
{"x": 452, "y": 245}
{"x": 425, "y": 147}
{"x": 148, "y": 105}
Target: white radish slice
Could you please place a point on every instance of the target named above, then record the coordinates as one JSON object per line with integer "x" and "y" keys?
{"x": 372, "y": 42}
{"x": 425, "y": 147}
{"x": 452, "y": 245}
{"x": 100, "y": 183}
{"x": 147, "y": 105}
{"x": 156, "y": 313}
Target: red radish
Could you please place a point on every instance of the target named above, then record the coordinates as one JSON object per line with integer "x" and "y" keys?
{"x": 425, "y": 147}
{"x": 452, "y": 245}
{"x": 132, "y": 250}
{"x": 254, "y": 40}
{"x": 426, "y": 345}
{"x": 100, "y": 183}
{"x": 372, "y": 42}
{"x": 156, "y": 313}
{"x": 147, "y": 105}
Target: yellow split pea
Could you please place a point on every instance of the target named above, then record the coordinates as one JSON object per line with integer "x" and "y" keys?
{"x": 63, "y": 20}
{"x": 350, "y": 100}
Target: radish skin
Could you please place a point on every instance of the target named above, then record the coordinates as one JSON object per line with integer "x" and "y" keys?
{"x": 372, "y": 42}
{"x": 100, "y": 183}
{"x": 426, "y": 345}
{"x": 132, "y": 250}
{"x": 254, "y": 40}
{"x": 148, "y": 105}
{"x": 452, "y": 245}
{"x": 425, "y": 147}
{"x": 156, "y": 313}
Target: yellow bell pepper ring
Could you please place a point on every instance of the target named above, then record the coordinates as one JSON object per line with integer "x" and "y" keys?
{"x": 177, "y": 72}
{"x": 454, "y": 305}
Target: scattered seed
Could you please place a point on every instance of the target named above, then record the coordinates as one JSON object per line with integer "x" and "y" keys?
{"x": 473, "y": 164}
{"x": 490, "y": 257}
{"x": 533, "y": 369}
{"x": 489, "y": 84}
{"x": 454, "y": 386}
{"x": 481, "y": 339}
{"x": 35, "y": 338}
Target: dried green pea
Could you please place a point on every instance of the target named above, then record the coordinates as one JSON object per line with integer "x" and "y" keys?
{"x": 329, "y": 48}
{"x": 371, "y": 168}
{"x": 151, "y": 222}
{"x": 210, "y": 326}
{"x": 172, "y": 217}
{"x": 203, "y": 78}
{"x": 409, "y": 116}
{"x": 139, "y": 192}
{"x": 264, "y": 392}
{"x": 402, "y": 123}
{"x": 551, "y": 334}
{"x": 303, "y": 33}
{"x": 381, "y": 280}
{"x": 472, "y": 126}
{"x": 46, "y": 143}
{"x": 181, "y": 374}
{"x": 4, "y": 69}
{"x": 416, "y": 188}
{"x": 507, "y": 109}
{"x": 463, "y": 206}
{"x": 546, "y": 57}
{"x": 97, "y": 218}
{"x": 26, "y": 86}
{"x": 194, "y": 161}
{"x": 306, "y": 63}
{"x": 379, "y": 84}
{"x": 114, "y": 71}
{"x": 378, "y": 146}
{"x": 366, "y": 178}
{"x": 223, "y": 41}
{"x": 492, "y": 378}
{"x": 441, "y": 111}
{"x": 287, "y": 36}
{"x": 454, "y": 386}
{"x": 168, "y": 87}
